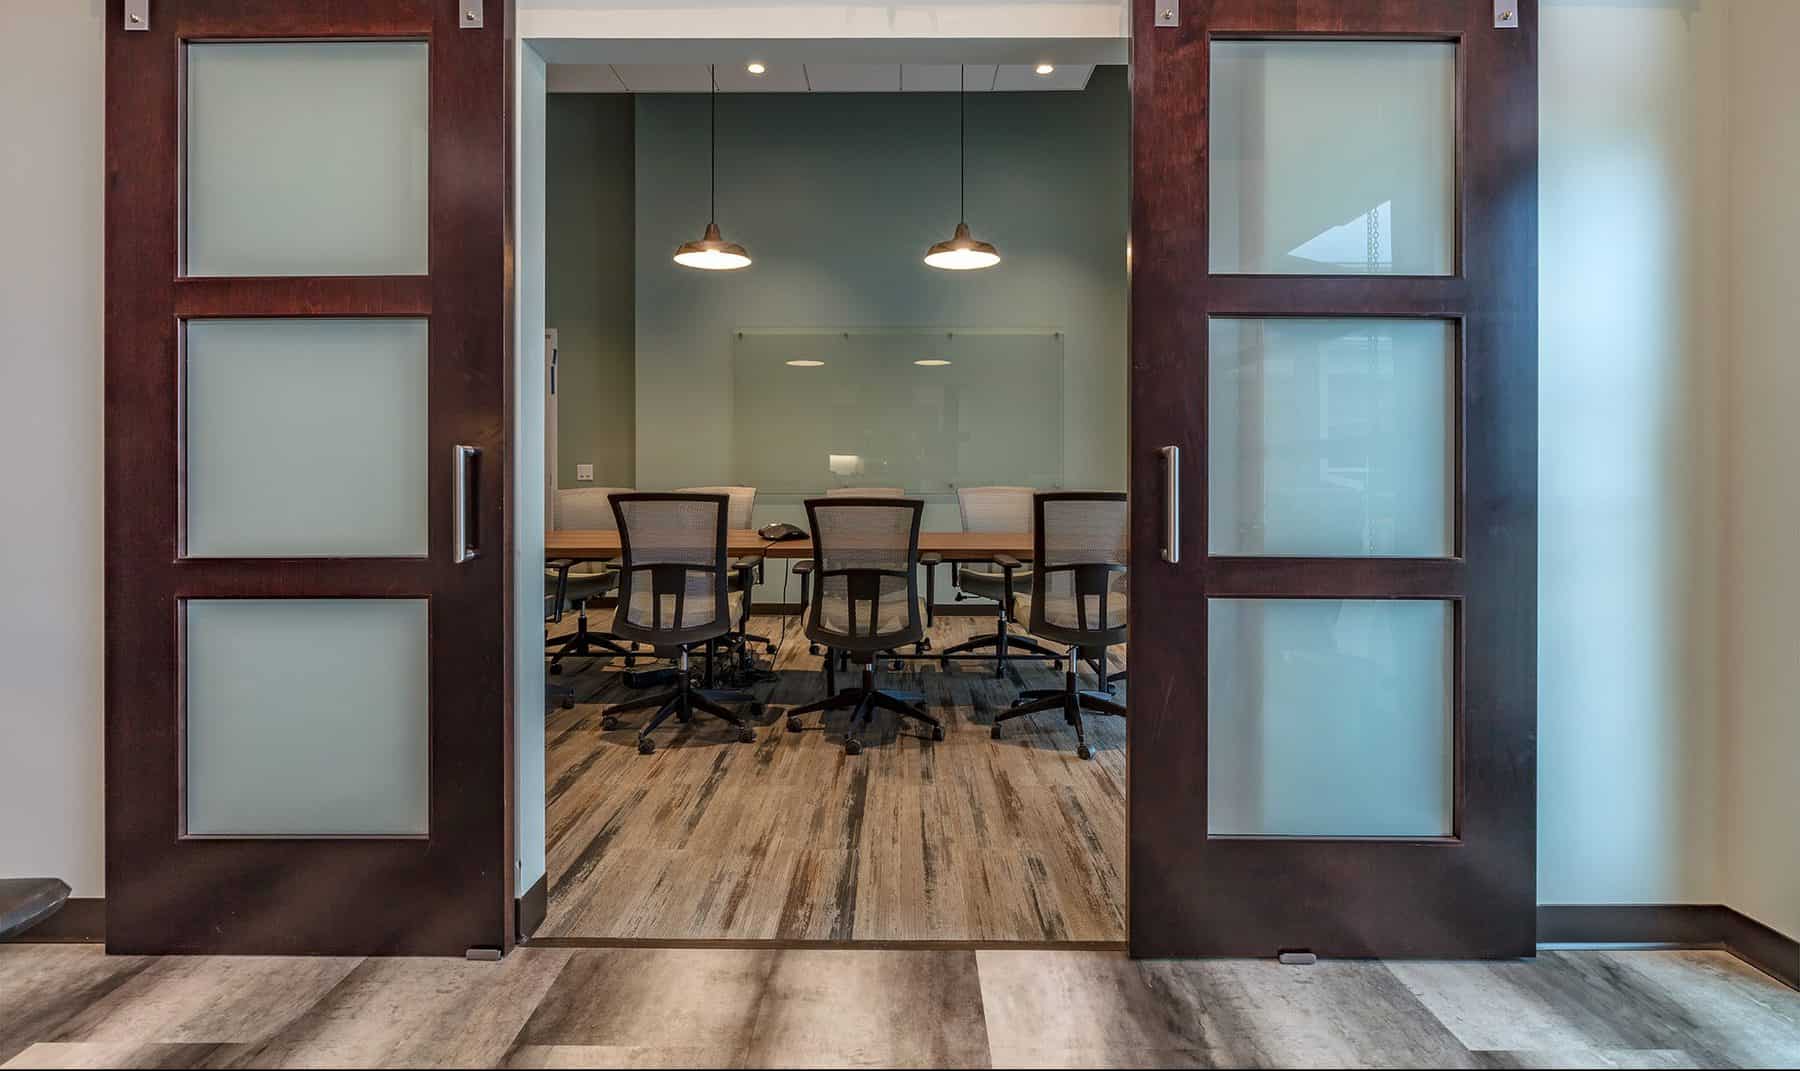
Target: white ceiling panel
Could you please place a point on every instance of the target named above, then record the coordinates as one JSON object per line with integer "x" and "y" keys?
{"x": 853, "y": 77}
{"x": 584, "y": 78}
{"x": 776, "y": 78}
{"x": 941, "y": 77}
{"x": 664, "y": 77}
{"x": 1022, "y": 79}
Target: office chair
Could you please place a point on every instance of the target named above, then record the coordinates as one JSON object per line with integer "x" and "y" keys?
{"x": 864, "y": 599}
{"x": 577, "y": 582}
{"x": 553, "y": 606}
{"x": 673, "y": 593}
{"x": 739, "y": 515}
{"x": 802, "y": 567}
{"x": 995, "y": 509}
{"x": 1078, "y": 597}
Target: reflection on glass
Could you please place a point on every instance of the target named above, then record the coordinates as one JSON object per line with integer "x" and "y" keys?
{"x": 1333, "y": 438}
{"x": 305, "y": 438}
{"x": 306, "y": 158}
{"x": 306, "y": 717}
{"x": 1329, "y": 718}
{"x": 1332, "y": 157}
{"x": 927, "y": 410}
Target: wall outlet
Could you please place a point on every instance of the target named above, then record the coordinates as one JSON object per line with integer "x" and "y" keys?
{"x": 584, "y": 473}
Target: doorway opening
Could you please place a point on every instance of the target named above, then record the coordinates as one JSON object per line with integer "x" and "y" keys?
{"x": 838, "y": 361}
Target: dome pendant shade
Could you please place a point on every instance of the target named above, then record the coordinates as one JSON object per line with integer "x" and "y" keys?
{"x": 962, "y": 252}
{"x": 712, "y": 253}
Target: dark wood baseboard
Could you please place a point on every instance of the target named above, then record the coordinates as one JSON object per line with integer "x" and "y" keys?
{"x": 529, "y": 910}
{"x": 1685, "y": 925}
{"x": 82, "y": 920}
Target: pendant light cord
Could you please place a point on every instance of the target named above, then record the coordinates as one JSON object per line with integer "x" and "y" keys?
{"x": 962, "y": 144}
{"x": 712, "y": 125}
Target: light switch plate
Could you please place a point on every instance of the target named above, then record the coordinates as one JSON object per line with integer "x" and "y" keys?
{"x": 585, "y": 473}
{"x": 1506, "y": 14}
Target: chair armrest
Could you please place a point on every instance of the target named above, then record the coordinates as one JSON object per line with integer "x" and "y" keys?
{"x": 803, "y": 566}
{"x": 931, "y": 557}
{"x": 1007, "y": 562}
{"x": 804, "y": 570}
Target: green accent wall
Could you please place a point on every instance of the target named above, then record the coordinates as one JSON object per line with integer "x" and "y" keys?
{"x": 590, "y": 290}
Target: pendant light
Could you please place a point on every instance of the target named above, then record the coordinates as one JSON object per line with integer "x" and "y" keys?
{"x": 712, "y": 252}
{"x": 962, "y": 252}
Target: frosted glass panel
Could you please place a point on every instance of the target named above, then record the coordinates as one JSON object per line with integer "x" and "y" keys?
{"x": 307, "y": 158}
{"x": 306, "y": 438}
{"x": 1333, "y": 157}
{"x": 1331, "y": 437}
{"x": 307, "y": 716}
{"x": 1329, "y": 718}
{"x": 859, "y": 411}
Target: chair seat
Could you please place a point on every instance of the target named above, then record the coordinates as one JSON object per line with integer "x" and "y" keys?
{"x": 890, "y": 616}
{"x": 1061, "y": 612}
{"x": 989, "y": 581}
{"x": 696, "y": 610}
{"x": 582, "y": 586}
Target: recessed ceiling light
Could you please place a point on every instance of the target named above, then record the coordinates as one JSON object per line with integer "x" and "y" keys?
{"x": 934, "y": 362}
{"x": 1045, "y": 68}
{"x": 755, "y": 67}
{"x": 806, "y": 364}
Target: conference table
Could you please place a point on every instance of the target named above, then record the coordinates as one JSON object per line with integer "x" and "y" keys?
{"x": 562, "y": 543}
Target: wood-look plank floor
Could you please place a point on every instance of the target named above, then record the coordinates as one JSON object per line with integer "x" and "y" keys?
{"x": 788, "y": 838}
{"x": 74, "y": 1006}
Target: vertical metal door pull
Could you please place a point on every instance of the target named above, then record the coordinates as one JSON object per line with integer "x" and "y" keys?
{"x": 463, "y": 549}
{"x": 1171, "y": 551}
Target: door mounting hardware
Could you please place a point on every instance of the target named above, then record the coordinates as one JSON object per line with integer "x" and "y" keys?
{"x": 137, "y": 14}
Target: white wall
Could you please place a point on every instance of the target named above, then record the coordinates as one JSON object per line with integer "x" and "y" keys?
{"x": 1761, "y": 670}
{"x": 1631, "y": 253}
{"x": 528, "y": 475}
{"x": 51, "y": 127}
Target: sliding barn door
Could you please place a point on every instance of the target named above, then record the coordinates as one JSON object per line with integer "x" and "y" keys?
{"x": 308, "y": 743}
{"x": 1333, "y": 431}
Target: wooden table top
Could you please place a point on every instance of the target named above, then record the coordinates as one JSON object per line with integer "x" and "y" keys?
{"x": 954, "y": 546}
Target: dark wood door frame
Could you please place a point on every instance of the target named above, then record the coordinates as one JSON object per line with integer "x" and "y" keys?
{"x": 1470, "y": 894}
{"x": 452, "y": 889}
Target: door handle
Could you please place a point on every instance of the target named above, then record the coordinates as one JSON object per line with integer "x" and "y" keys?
{"x": 1171, "y": 551}
{"x": 463, "y": 524}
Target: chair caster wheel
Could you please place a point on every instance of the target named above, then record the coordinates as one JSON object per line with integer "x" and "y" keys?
{"x": 1085, "y": 752}
{"x": 896, "y": 665}
{"x": 812, "y": 648}
{"x": 937, "y": 732}
{"x": 853, "y": 747}
{"x": 771, "y": 647}
{"x": 746, "y": 735}
{"x": 683, "y": 716}
{"x": 999, "y": 673}
{"x": 555, "y": 669}
{"x": 568, "y": 702}
{"x": 609, "y": 723}
{"x": 994, "y": 732}
{"x": 794, "y": 725}
{"x": 630, "y": 661}
{"x": 645, "y": 747}
{"x": 924, "y": 645}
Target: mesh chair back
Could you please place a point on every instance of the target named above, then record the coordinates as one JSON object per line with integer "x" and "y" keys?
{"x": 995, "y": 509}
{"x": 1078, "y": 571}
{"x": 865, "y": 592}
{"x": 672, "y": 576}
{"x": 587, "y": 508}
{"x": 743, "y": 502}
{"x": 866, "y": 492}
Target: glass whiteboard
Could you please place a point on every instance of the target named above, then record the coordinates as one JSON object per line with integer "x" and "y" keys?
{"x": 816, "y": 409}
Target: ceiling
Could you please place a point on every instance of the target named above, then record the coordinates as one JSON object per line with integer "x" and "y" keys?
{"x": 808, "y": 77}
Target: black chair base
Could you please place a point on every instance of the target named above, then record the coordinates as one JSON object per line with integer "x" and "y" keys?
{"x": 1072, "y": 700}
{"x": 1006, "y": 647}
{"x": 864, "y": 701}
{"x": 585, "y": 643}
{"x": 682, "y": 702}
